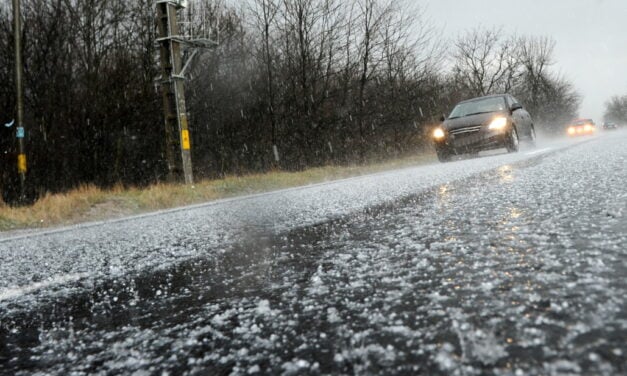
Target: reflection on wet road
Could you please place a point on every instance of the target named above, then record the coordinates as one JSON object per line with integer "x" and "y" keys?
{"x": 519, "y": 270}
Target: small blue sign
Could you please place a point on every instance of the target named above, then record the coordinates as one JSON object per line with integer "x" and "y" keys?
{"x": 20, "y": 132}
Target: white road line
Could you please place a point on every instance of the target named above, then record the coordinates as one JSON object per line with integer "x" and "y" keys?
{"x": 58, "y": 280}
{"x": 539, "y": 151}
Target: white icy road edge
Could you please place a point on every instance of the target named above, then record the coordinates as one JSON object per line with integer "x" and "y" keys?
{"x": 113, "y": 248}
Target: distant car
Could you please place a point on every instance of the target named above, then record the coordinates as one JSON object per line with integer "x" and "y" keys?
{"x": 581, "y": 127}
{"x": 491, "y": 122}
{"x": 609, "y": 125}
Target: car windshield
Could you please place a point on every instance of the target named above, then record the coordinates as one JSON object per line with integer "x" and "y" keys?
{"x": 479, "y": 106}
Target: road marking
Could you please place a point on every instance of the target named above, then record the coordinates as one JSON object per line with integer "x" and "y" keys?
{"x": 23, "y": 290}
{"x": 539, "y": 151}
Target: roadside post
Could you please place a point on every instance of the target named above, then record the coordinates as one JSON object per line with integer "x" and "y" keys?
{"x": 173, "y": 90}
{"x": 22, "y": 165}
{"x": 172, "y": 80}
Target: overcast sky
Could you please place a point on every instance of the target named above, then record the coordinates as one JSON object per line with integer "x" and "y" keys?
{"x": 591, "y": 37}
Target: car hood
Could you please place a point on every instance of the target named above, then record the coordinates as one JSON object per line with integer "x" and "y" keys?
{"x": 469, "y": 121}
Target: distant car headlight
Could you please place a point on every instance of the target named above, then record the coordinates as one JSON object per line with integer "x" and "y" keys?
{"x": 587, "y": 128}
{"x": 571, "y": 130}
{"x": 498, "y": 124}
{"x": 439, "y": 134}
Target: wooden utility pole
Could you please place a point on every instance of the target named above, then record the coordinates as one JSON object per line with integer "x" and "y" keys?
{"x": 19, "y": 92}
{"x": 177, "y": 137}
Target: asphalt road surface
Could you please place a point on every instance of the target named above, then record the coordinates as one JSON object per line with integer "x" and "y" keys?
{"x": 508, "y": 264}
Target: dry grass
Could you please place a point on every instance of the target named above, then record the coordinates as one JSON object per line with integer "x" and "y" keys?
{"x": 90, "y": 203}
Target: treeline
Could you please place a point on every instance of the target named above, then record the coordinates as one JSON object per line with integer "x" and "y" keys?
{"x": 292, "y": 84}
{"x": 303, "y": 83}
{"x": 616, "y": 110}
{"x": 91, "y": 109}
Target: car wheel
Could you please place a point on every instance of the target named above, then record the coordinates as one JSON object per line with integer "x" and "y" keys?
{"x": 513, "y": 142}
{"x": 444, "y": 155}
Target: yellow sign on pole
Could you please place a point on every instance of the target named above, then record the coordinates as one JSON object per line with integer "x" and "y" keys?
{"x": 21, "y": 163}
{"x": 185, "y": 139}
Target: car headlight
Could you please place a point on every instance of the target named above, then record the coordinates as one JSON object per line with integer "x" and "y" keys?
{"x": 439, "y": 134}
{"x": 571, "y": 130}
{"x": 498, "y": 124}
{"x": 587, "y": 128}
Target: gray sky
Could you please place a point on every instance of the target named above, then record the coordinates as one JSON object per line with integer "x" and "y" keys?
{"x": 591, "y": 37}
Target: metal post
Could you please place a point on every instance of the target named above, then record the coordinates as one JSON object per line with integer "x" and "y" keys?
{"x": 173, "y": 89}
{"x": 19, "y": 92}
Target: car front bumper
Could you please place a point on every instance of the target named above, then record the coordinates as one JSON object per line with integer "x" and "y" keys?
{"x": 473, "y": 143}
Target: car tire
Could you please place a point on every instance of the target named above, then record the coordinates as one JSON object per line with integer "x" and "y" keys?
{"x": 444, "y": 155}
{"x": 513, "y": 142}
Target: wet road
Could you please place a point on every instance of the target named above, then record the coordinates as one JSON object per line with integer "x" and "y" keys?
{"x": 504, "y": 265}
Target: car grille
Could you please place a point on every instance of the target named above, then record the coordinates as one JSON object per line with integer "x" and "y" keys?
{"x": 466, "y": 130}
{"x": 465, "y": 136}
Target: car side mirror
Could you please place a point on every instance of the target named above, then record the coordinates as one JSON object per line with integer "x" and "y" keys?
{"x": 516, "y": 106}
{"x": 442, "y": 118}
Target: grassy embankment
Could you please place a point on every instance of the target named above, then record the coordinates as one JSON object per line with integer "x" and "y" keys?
{"x": 89, "y": 203}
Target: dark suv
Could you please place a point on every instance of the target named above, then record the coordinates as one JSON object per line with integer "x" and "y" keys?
{"x": 491, "y": 122}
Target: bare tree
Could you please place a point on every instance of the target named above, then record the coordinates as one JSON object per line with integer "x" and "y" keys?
{"x": 411, "y": 52}
{"x": 486, "y": 62}
{"x": 560, "y": 105}
{"x": 490, "y": 62}
{"x": 265, "y": 12}
{"x": 372, "y": 17}
{"x": 535, "y": 54}
{"x": 616, "y": 110}
{"x": 550, "y": 98}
